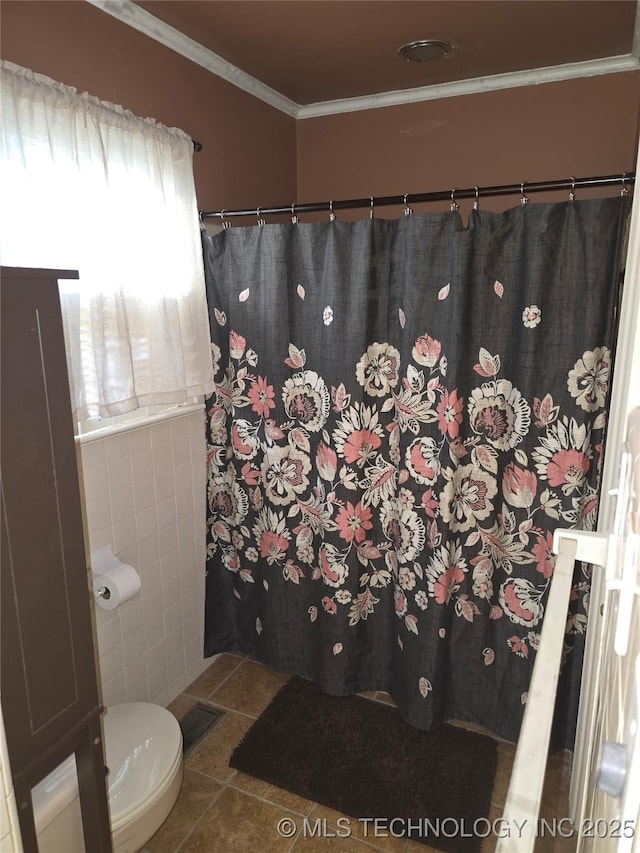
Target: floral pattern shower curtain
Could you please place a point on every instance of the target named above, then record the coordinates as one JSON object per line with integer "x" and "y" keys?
{"x": 404, "y": 412}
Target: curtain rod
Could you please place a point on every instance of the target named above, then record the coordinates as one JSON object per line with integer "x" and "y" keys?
{"x": 417, "y": 198}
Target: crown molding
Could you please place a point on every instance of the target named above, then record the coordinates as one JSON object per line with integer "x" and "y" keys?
{"x": 474, "y": 86}
{"x": 138, "y": 18}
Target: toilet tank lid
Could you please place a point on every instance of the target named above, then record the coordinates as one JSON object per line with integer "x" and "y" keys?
{"x": 54, "y": 793}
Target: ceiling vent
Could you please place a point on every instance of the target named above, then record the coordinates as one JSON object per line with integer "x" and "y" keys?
{"x": 425, "y": 49}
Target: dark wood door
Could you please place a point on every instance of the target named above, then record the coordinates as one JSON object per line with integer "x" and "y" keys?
{"x": 49, "y": 690}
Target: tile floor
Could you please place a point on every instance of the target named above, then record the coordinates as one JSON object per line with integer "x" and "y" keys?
{"x": 221, "y": 810}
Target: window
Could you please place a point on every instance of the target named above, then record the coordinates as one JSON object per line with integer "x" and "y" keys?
{"x": 86, "y": 185}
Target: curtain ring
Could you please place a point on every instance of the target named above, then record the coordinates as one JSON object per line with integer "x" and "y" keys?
{"x": 523, "y": 199}
{"x": 624, "y": 189}
{"x": 332, "y": 216}
{"x": 453, "y": 207}
{"x": 476, "y": 203}
{"x": 371, "y": 209}
{"x": 407, "y": 209}
{"x": 294, "y": 218}
{"x": 572, "y": 191}
{"x": 225, "y": 222}
{"x": 261, "y": 221}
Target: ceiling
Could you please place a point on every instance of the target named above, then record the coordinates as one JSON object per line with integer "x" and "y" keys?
{"x": 322, "y": 50}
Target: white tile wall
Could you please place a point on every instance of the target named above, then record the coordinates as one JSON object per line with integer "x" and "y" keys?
{"x": 144, "y": 494}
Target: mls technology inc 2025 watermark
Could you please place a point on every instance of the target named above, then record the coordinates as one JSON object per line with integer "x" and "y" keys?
{"x": 451, "y": 827}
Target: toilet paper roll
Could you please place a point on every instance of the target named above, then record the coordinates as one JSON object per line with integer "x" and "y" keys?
{"x": 120, "y": 584}
{"x": 104, "y": 560}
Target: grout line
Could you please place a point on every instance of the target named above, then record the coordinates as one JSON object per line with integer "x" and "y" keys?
{"x": 299, "y": 834}
{"x": 224, "y": 787}
{"x": 200, "y": 819}
{"x": 206, "y": 775}
{"x": 294, "y": 842}
{"x": 270, "y": 802}
{"x": 225, "y": 679}
{"x": 217, "y": 779}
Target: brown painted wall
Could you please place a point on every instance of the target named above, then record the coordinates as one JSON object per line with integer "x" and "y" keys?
{"x": 249, "y": 153}
{"x": 580, "y": 127}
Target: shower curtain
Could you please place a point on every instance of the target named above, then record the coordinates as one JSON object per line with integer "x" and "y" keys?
{"x": 404, "y": 412}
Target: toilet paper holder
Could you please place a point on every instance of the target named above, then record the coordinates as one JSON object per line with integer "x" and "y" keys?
{"x": 114, "y": 582}
{"x": 102, "y": 592}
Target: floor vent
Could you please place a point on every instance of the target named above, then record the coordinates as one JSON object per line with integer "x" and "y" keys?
{"x": 196, "y": 723}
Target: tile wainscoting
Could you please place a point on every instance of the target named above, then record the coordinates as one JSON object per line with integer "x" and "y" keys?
{"x": 144, "y": 494}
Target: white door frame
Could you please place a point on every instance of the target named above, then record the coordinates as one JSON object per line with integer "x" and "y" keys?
{"x": 625, "y": 395}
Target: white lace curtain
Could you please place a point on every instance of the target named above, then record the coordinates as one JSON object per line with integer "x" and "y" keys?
{"x": 87, "y": 185}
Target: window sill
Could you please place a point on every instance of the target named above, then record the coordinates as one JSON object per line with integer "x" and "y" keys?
{"x": 138, "y": 423}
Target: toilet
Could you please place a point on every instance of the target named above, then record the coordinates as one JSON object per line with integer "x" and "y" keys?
{"x": 143, "y": 753}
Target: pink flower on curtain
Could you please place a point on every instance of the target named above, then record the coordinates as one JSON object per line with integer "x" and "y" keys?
{"x": 543, "y": 555}
{"x": 360, "y": 446}
{"x": 329, "y": 605}
{"x": 568, "y": 468}
{"x": 237, "y": 345}
{"x": 446, "y": 584}
{"x": 446, "y": 571}
{"x": 250, "y": 474}
{"x": 429, "y": 503}
{"x": 358, "y": 434}
{"x": 518, "y": 647}
{"x": 262, "y": 397}
{"x": 426, "y": 350}
{"x": 327, "y": 461}
{"x": 272, "y": 546}
{"x": 400, "y": 601}
{"x": 519, "y": 486}
{"x": 450, "y": 413}
{"x": 353, "y": 522}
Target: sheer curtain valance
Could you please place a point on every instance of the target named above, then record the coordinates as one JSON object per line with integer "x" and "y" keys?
{"x": 87, "y": 185}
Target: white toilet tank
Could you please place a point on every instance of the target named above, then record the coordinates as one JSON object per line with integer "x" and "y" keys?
{"x": 143, "y": 751}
